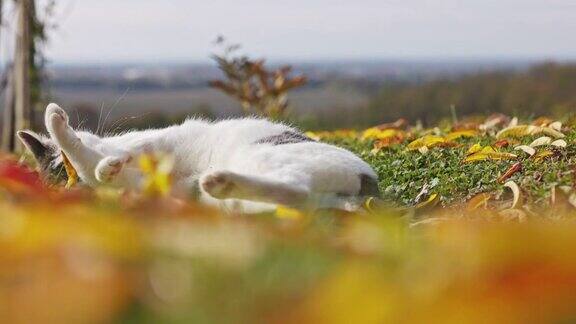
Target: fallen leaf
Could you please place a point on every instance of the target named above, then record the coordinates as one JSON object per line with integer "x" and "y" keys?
{"x": 488, "y": 153}
{"x": 544, "y": 140}
{"x": 557, "y": 126}
{"x": 493, "y": 121}
{"x": 529, "y": 150}
{"x": 474, "y": 148}
{"x": 515, "y": 191}
{"x": 542, "y": 155}
{"x": 458, "y": 134}
{"x": 157, "y": 171}
{"x": 375, "y": 133}
{"x": 552, "y": 132}
{"x": 542, "y": 121}
{"x": 501, "y": 143}
{"x": 70, "y": 172}
{"x": 519, "y": 131}
{"x": 18, "y": 179}
{"x": 427, "y": 141}
{"x": 559, "y": 143}
{"x": 432, "y": 201}
{"x": 313, "y": 135}
{"x": 516, "y": 167}
{"x": 386, "y": 142}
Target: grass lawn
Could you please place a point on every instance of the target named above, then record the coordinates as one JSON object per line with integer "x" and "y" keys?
{"x": 404, "y": 173}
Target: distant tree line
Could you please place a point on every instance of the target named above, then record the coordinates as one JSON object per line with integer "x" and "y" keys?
{"x": 546, "y": 89}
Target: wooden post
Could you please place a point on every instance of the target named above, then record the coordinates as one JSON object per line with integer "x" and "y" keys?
{"x": 8, "y": 113}
{"x": 22, "y": 107}
{"x": 8, "y": 131}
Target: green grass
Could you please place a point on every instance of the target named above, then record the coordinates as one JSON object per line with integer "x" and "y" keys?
{"x": 402, "y": 173}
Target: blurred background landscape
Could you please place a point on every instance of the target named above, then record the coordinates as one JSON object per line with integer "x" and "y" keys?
{"x": 338, "y": 93}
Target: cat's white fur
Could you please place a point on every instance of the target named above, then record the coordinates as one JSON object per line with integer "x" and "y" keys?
{"x": 222, "y": 159}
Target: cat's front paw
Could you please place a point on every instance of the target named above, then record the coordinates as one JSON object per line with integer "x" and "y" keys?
{"x": 218, "y": 184}
{"x": 109, "y": 167}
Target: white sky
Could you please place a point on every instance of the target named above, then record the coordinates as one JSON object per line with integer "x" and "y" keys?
{"x": 163, "y": 30}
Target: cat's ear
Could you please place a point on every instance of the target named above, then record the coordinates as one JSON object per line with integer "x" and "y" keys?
{"x": 34, "y": 144}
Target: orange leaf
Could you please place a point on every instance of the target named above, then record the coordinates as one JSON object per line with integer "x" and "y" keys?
{"x": 510, "y": 172}
{"x": 70, "y": 171}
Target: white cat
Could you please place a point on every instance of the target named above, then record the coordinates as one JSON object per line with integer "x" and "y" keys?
{"x": 252, "y": 164}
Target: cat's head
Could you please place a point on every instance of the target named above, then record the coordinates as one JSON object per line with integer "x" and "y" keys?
{"x": 47, "y": 155}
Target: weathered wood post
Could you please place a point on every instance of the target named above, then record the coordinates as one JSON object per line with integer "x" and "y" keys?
{"x": 22, "y": 105}
{"x": 8, "y": 130}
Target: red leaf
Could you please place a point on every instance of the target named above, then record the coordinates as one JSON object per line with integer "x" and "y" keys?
{"x": 19, "y": 179}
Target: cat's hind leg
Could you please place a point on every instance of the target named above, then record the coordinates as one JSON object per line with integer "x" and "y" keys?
{"x": 231, "y": 185}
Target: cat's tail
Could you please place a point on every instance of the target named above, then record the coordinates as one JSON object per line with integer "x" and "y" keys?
{"x": 369, "y": 186}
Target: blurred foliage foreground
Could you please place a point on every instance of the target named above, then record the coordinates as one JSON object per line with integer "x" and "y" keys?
{"x": 491, "y": 254}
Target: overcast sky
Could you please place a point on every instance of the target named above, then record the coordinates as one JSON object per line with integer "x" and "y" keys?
{"x": 165, "y": 30}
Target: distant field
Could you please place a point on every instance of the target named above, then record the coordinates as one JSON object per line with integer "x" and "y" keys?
{"x": 134, "y": 103}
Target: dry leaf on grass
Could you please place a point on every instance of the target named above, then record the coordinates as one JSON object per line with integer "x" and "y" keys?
{"x": 516, "y": 167}
{"x": 515, "y": 191}
{"x": 487, "y": 153}
{"x": 544, "y": 140}
{"x": 527, "y": 149}
{"x": 427, "y": 141}
{"x": 559, "y": 143}
{"x": 70, "y": 171}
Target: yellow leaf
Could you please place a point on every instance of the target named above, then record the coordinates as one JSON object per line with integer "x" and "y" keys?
{"x": 552, "y": 132}
{"x": 313, "y": 135}
{"x": 458, "y": 134}
{"x": 157, "y": 172}
{"x": 432, "y": 201}
{"x": 519, "y": 131}
{"x": 428, "y": 141}
{"x": 474, "y": 148}
{"x": 70, "y": 171}
{"x": 375, "y": 133}
{"x": 487, "y": 150}
{"x": 488, "y": 153}
{"x": 538, "y": 157}
{"x": 476, "y": 157}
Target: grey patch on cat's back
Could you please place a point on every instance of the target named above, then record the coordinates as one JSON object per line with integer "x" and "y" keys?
{"x": 286, "y": 137}
{"x": 368, "y": 186}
